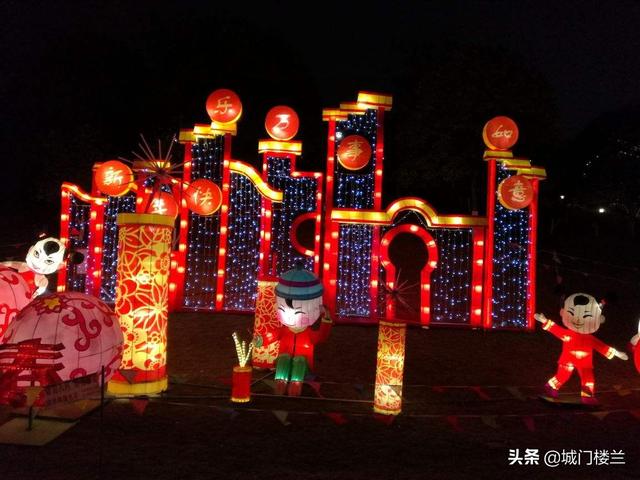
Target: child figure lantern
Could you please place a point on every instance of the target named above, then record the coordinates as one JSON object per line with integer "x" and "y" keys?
{"x": 582, "y": 316}
{"x": 304, "y": 322}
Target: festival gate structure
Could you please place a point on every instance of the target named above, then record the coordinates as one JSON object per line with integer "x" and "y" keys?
{"x": 480, "y": 271}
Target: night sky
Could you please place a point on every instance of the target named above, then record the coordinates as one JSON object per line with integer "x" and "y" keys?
{"x": 81, "y": 80}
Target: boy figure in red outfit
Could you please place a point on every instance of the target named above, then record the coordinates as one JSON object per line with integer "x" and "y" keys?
{"x": 582, "y": 315}
{"x": 304, "y": 323}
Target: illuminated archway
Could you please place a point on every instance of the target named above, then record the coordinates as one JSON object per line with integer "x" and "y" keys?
{"x": 425, "y": 273}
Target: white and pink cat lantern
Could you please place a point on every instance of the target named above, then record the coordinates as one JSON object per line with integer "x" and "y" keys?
{"x": 43, "y": 258}
{"x": 15, "y": 294}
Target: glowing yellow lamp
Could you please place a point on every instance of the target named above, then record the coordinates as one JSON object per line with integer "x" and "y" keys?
{"x": 144, "y": 249}
{"x": 389, "y": 368}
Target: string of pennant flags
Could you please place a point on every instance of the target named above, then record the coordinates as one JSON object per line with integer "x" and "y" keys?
{"x": 457, "y": 422}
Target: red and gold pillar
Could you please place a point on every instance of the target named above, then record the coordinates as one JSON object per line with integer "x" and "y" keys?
{"x": 389, "y": 367}
{"x": 266, "y": 322}
{"x": 144, "y": 250}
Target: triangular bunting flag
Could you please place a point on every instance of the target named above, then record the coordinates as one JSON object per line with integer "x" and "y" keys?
{"x": 397, "y": 389}
{"x": 337, "y": 418}
{"x": 490, "y": 420}
{"x": 32, "y": 394}
{"x": 622, "y": 391}
{"x": 269, "y": 382}
{"x": 453, "y": 421}
{"x": 139, "y": 405}
{"x": 515, "y": 391}
{"x": 177, "y": 379}
{"x": 481, "y": 393}
{"x": 315, "y": 386}
{"x": 600, "y": 415}
{"x": 530, "y": 423}
{"x": 229, "y": 411}
{"x": 281, "y": 415}
{"x": 224, "y": 380}
{"x": 386, "y": 419}
{"x": 129, "y": 375}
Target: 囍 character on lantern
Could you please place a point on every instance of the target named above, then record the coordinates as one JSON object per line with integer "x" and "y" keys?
{"x": 304, "y": 323}
{"x": 582, "y": 316}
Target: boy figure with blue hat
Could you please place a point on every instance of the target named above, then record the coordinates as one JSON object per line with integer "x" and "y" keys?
{"x": 305, "y": 322}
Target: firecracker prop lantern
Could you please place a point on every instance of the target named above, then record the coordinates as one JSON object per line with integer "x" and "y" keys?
{"x": 389, "y": 367}
{"x": 59, "y": 337}
{"x": 15, "y": 294}
{"x": 144, "y": 249}
{"x": 241, "y": 378}
{"x": 299, "y": 303}
{"x": 582, "y": 316}
{"x": 266, "y": 322}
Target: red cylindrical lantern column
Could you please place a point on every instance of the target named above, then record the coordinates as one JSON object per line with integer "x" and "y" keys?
{"x": 389, "y": 368}
{"x": 144, "y": 249}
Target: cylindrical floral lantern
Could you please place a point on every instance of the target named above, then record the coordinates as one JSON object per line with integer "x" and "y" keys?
{"x": 266, "y": 323}
{"x": 144, "y": 249}
{"x": 389, "y": 367}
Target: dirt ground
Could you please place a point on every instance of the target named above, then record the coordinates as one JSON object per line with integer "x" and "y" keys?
{"x": 469, "y": 398}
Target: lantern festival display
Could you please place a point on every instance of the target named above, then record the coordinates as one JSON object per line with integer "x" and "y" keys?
{"x": 265, "y": 324}
{"x": 389, "y": 367}
{"x": 144, "y": 248}
{"x": 15, "y": 294}
{"x": 241, "y": 377}
{"x": 299, "y": 302}
{"x": 56, "y": 338}
{"x": 582, "y": 316}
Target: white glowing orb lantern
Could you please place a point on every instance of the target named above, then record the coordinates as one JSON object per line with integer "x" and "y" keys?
{"x": 15, "y": 294}
{"x": 85, "y": 326}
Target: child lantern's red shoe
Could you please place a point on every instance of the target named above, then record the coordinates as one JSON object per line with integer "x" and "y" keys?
{"x": 550, "y": 391}
{"x": 295, "y": 389}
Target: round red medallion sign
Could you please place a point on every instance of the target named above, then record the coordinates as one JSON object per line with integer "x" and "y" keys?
{"x": 203, "y": 197}
{"x": 500, "y": 133}
{"x": 354, "y": 152}
{"x": 515, "y": 192}
{"x": 282, "y": 123}
{"x": 114, "y": 178}
{"x": 224, "y": 106}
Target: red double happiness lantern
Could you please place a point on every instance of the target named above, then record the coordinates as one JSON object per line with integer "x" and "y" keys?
{"x": 224, "y": 106}
{"x": 203, "y": 197}
{"x": 515, "y": 192}
{"x": 282, "y": 123}
{"x": 500, "y": 133}
{"x": 113, "y": 178}
{"x": 354, "y": 152}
